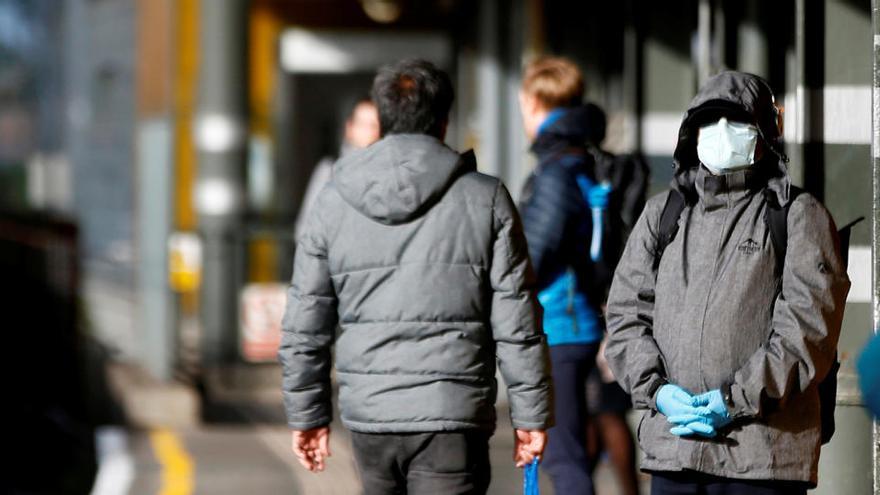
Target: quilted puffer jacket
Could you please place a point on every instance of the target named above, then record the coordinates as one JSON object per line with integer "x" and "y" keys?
{"x": 422, "y": 262}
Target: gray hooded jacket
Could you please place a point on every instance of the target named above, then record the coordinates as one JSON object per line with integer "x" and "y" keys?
{"x": 715, "y": 314}
{"x": 422, "y": 262}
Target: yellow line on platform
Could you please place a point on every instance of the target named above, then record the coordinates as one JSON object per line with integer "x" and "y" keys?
{"x": 177, "y": 466}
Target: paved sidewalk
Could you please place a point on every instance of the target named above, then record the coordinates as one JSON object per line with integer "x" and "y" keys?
{"x": 255, "y": 459}
{"x": 244, "y": 449}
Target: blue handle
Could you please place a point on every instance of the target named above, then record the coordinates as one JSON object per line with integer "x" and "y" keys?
{"x": 596, "y": 196}
{"x": 530, "y": 478}
{"x": 596, "y": 240}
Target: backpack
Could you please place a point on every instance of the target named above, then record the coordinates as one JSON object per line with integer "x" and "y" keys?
{"x": 628, "y": 175}
{"x": 776, "y": 219}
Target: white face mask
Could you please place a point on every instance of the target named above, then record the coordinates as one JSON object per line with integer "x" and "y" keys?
{"x": 727, "y": 146}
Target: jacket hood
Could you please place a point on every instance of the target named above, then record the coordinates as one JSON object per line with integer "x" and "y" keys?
{"x": 738, "y": 96}
{"x": 399, "y": 177}
{"x": 570, "y": 129}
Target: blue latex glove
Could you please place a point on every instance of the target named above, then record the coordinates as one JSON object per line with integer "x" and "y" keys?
{"x": 711, "y": 411}
{"x": 673, "y": 400}
{"x": 679, "y": 407}
{"x": 715, "y": 408}
{"x": 693, "y": 426}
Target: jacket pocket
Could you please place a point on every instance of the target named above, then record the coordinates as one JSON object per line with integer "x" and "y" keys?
{"x": 655, "y": 440}
{"x": 745, "y": 449}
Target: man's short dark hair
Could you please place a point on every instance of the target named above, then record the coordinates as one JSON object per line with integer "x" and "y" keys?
{"x": 413, "y": 97}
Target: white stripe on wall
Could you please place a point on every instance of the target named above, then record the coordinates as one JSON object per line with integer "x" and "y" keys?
{"x": 660, "y": 132}
{"x": 876, "y": 111}
{"x": 339, "y": 51}
{"x": 859, "y": 274}
{"x": 846, "y": 115}
{"x": 876, "y": 102}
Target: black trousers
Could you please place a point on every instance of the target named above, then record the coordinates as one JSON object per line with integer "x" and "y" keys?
{"x": 455, "y": 462}
{"x": 565, "y": 458}
{"x": 694, "y": 483}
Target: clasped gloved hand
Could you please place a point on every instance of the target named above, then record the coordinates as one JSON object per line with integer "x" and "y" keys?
{"x": 677, "y": 404}
{"x": 710, "y": 411}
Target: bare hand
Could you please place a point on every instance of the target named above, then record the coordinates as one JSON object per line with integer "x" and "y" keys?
{"x": 527, "y": 444}
{"x": 312, "y": 447}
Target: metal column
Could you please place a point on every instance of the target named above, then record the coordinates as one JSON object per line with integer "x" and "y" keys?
{"x": 221, "y": 140}
{"x": 632, "y": 78}
{"x": 752, "y": 50}
{"x": 490, "y": 90}
{"x": 515, "y": 49}
{"x": 808, "y": 168}
{"x": 875, "y": 230}
{"x": 704, "y": 41}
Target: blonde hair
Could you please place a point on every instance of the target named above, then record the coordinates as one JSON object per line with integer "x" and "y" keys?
{"x": 554, "y": 81}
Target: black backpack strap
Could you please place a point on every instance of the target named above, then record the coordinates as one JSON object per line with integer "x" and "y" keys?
{"x": 668, "y": 224}
{"x": 776, "y": 219}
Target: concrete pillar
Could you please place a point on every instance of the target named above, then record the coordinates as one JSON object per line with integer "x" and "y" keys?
{"x": 154, "y": 180}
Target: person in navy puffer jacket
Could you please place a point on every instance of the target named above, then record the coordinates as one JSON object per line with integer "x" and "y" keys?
{"x": 562, "y": 210}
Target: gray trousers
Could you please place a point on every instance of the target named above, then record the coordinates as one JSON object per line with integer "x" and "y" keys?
{"x": 455, "y": 462}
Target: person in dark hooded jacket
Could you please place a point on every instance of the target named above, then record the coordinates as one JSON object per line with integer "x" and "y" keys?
{"x": 607, "y": 404}
{"x": 422, "y": 262}
{"x": 719, "y": 339}
{"x": 558, "y": 206}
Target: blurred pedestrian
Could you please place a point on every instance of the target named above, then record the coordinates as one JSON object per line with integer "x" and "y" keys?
{"x": 726, "y": 307}
{"x": 423, "y": 263}
{"x": 608, "y": 431}
{"x": 361, "y": 130}
{"x": 607, "y": 403}
{"x": 559, "y": 203}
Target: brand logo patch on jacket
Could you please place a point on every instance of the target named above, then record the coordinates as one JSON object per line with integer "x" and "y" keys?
{"x": 749, "y": 246}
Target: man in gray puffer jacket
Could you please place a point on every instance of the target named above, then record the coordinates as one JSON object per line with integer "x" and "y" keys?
{"x": 422, "y": 262}
{"x": 720, "y": 340}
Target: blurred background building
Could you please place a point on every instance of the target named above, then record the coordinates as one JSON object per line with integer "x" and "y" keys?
{"x": 177, "y": 137}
